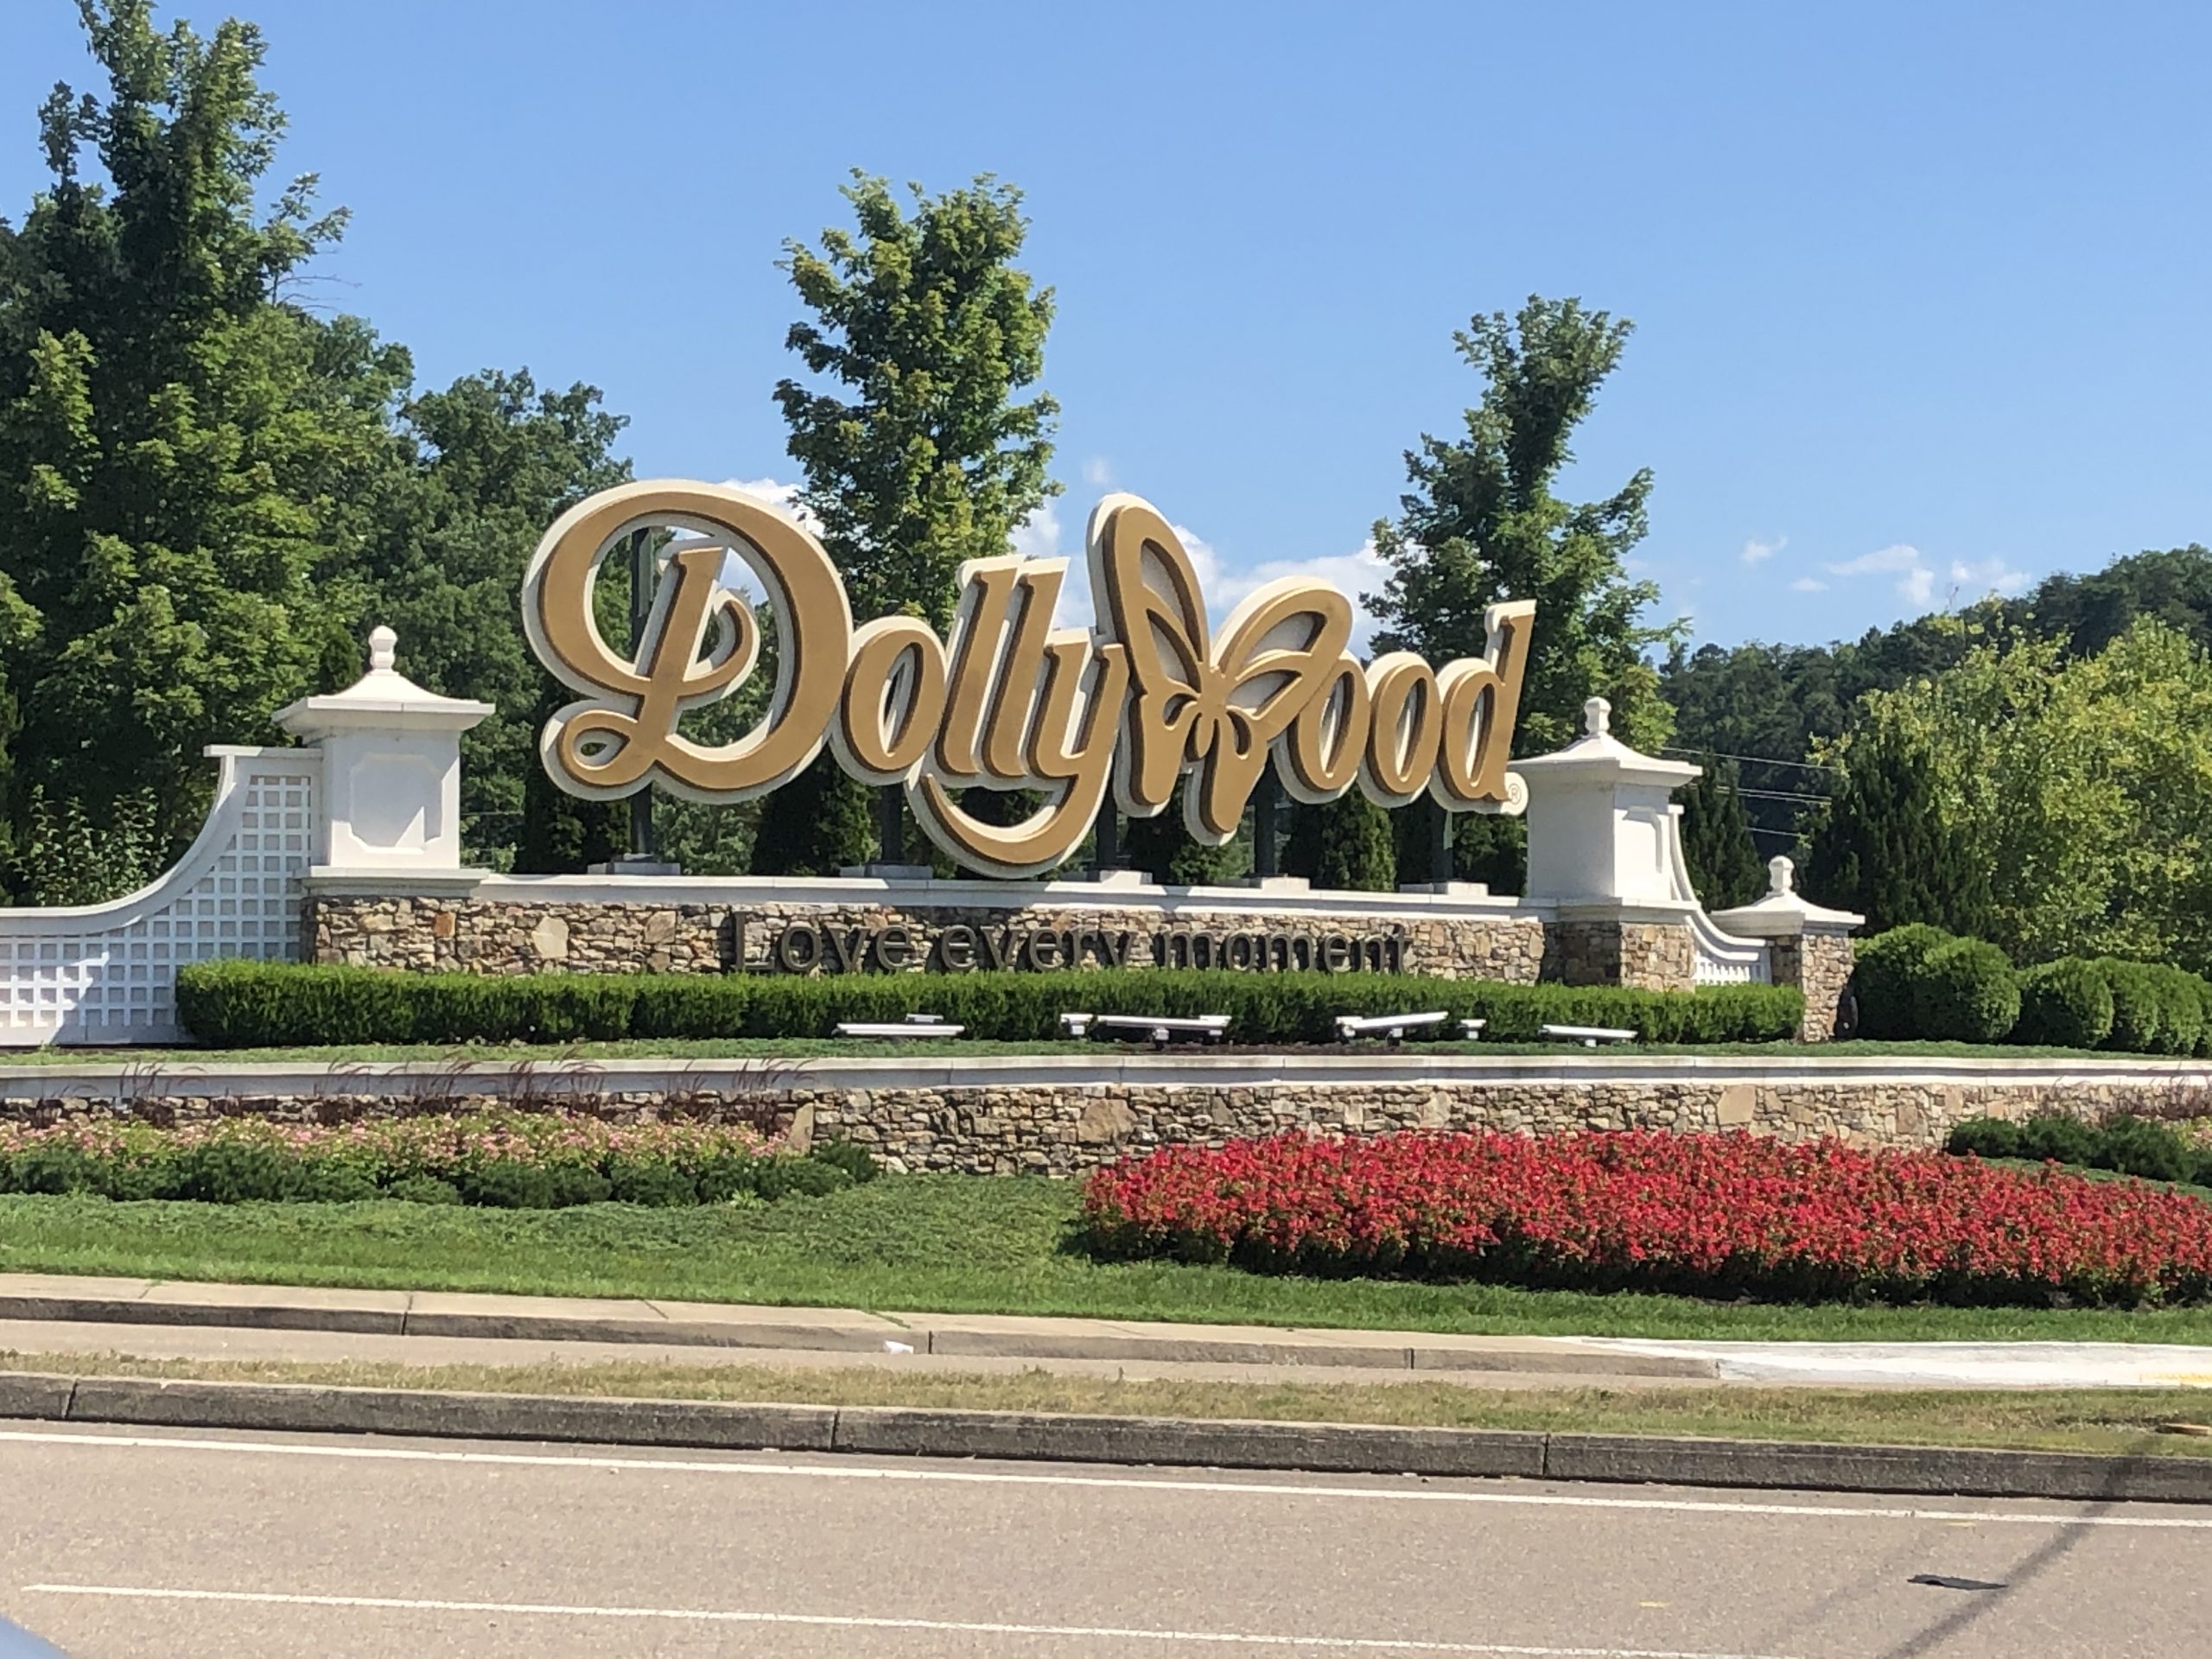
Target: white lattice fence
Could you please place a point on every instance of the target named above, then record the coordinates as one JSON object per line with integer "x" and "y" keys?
{"x": 107, "y": 973}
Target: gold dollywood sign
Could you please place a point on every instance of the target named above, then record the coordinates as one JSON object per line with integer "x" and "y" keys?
{"x": 1148, "y": 702}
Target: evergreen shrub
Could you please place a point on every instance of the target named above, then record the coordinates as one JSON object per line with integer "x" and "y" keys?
{"x": 2136, "y": 1006}
{"x": 2181, "y": 1010}
{"x": 2058, "y": 1137}
{"x": 1965, "y": 992}
{"x": 2065, "y": 1004}
{"x": 1885, "y": 979}
{"x": 255, "y": 1004}
{"x": 506, "y": 1160}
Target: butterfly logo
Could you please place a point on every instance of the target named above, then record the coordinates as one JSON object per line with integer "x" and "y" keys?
{"x": 1205, "y": 708}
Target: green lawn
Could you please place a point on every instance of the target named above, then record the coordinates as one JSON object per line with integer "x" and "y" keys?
{"x": 925, "y": 1244}
{"x": 2119, "y": 1421}
{"x": 809, "y": 1047}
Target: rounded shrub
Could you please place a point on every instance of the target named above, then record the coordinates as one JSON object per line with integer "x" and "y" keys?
{"x": 2137, "y": 1146}
{"x": 332, "y": 1182}
{"x": 650, "y": 1180}
{"x": 727, "y": 1177}
{"x": 787, "y": 1177}
{"x": 1886, "y": 980}
{"x": 1986, "y": 1137}
{"x": 423, "y": 1189}
{"x": 1965, "y": 992}
{"x": 506, "y": 1183}
{"x": 856, "y": 1161}
{"x": 2135, "y": 1006}
{"x": 2065, "y": 1004}
{"x": 49, "y": 1171}
{"x": 234, "y": 1172}
{"x": 2059, "y": 1138}
{"x": 2181, "y": 1010}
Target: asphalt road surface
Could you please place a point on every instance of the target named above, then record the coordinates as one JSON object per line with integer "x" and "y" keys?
{"x": 114, "y": 1543}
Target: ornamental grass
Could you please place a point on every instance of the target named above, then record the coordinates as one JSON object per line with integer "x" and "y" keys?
{"x": 1730, "y": 1216}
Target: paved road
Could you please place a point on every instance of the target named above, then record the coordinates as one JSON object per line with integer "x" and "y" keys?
{"x": 182, "y": 1544}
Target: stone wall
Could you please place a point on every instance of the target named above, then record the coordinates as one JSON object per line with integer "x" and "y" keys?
{"x": 495, "y": 937}
{"x": 1063, "y": 1127}
{"x": 1648, "y": 956}
{"x": 1819, "y": 963}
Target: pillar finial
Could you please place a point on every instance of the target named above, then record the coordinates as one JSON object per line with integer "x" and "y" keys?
{"x": 384, "y": 649}
{"x": 1781, "y": 875}
{"x": 1598, "y": 717}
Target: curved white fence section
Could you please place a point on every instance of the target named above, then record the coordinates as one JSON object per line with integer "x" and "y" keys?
{"x": 107, "y": 973}
{"x": 1723, "y": 959}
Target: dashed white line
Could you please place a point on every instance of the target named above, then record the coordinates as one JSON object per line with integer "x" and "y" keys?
{"x": 1197, "y": 1483}
{"x": 932, "y": 1626}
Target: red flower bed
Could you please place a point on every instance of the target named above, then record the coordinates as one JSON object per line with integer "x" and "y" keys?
{"x": 1707, "y": 1215}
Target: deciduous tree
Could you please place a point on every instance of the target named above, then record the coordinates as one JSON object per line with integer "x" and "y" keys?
{"x": 1483, "y": 522}
{"x": 918, "y": 451}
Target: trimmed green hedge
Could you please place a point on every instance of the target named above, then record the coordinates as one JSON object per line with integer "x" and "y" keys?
{"x": 280, "y": 1005}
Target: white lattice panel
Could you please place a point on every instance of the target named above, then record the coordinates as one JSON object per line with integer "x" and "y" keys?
{"x": 107, "y": 973}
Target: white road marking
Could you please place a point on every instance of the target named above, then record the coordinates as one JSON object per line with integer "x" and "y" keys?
{"x": 940, "y": 1626}
{"x": 1194, "y": 1483}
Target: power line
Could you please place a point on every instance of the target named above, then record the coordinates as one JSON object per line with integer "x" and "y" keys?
{"x": 1755, "y": 760}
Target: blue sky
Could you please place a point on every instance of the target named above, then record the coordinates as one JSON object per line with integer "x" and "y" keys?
{"x": 1920, "y": 290}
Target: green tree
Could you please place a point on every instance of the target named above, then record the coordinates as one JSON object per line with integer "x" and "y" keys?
{"x": 491, "y": 460}
{"x": 186, "y": 452}
{"x": 917, "y": 450}
{"x": 1725, "y": 866}
{"x": 1886, "y": 846}
{"x": 2078, "y": 789}
{"x": 1344, "y": 845}
{"x": 1161, "y": 846}
{"x": 1483, "y": 522}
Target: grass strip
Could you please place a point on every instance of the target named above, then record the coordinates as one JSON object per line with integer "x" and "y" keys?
{"x": 820, "y": 1047}
{"x": 2100, "y": 1420}
{"x": 930, "y": 1243}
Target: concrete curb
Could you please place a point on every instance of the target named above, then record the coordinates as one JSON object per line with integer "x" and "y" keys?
{"x": 893, "y": 1431}
{"x": 861, "y": 1334}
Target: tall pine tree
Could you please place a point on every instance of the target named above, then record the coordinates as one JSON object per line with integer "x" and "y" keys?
{"x": 1724, "y": 861}
{"x": 1345, "y": 845}
{"x": 1881, "y": 846}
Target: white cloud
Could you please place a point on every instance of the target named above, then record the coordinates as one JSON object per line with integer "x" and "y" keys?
{"x": 1809, "y": 585}
{"x": 1755, "y": 551}
{"x": 1989, "y": 576}
{"x": 1916, "y": 580}
{"x": 1099, "y": 473}
{"x": 776, "y": 494}
{"x": 1881, "y": 561}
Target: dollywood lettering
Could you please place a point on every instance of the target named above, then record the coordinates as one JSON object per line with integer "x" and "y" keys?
{"x": 1148, "y": 704}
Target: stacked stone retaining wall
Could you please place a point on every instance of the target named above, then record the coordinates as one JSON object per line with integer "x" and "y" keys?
{"x": 1063, "y": 1126}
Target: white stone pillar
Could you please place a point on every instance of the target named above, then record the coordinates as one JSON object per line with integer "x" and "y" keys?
{"x": 1604, "y": 856}
{"x": 1808, "y": 945}
{"x": 390, "y": 796}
